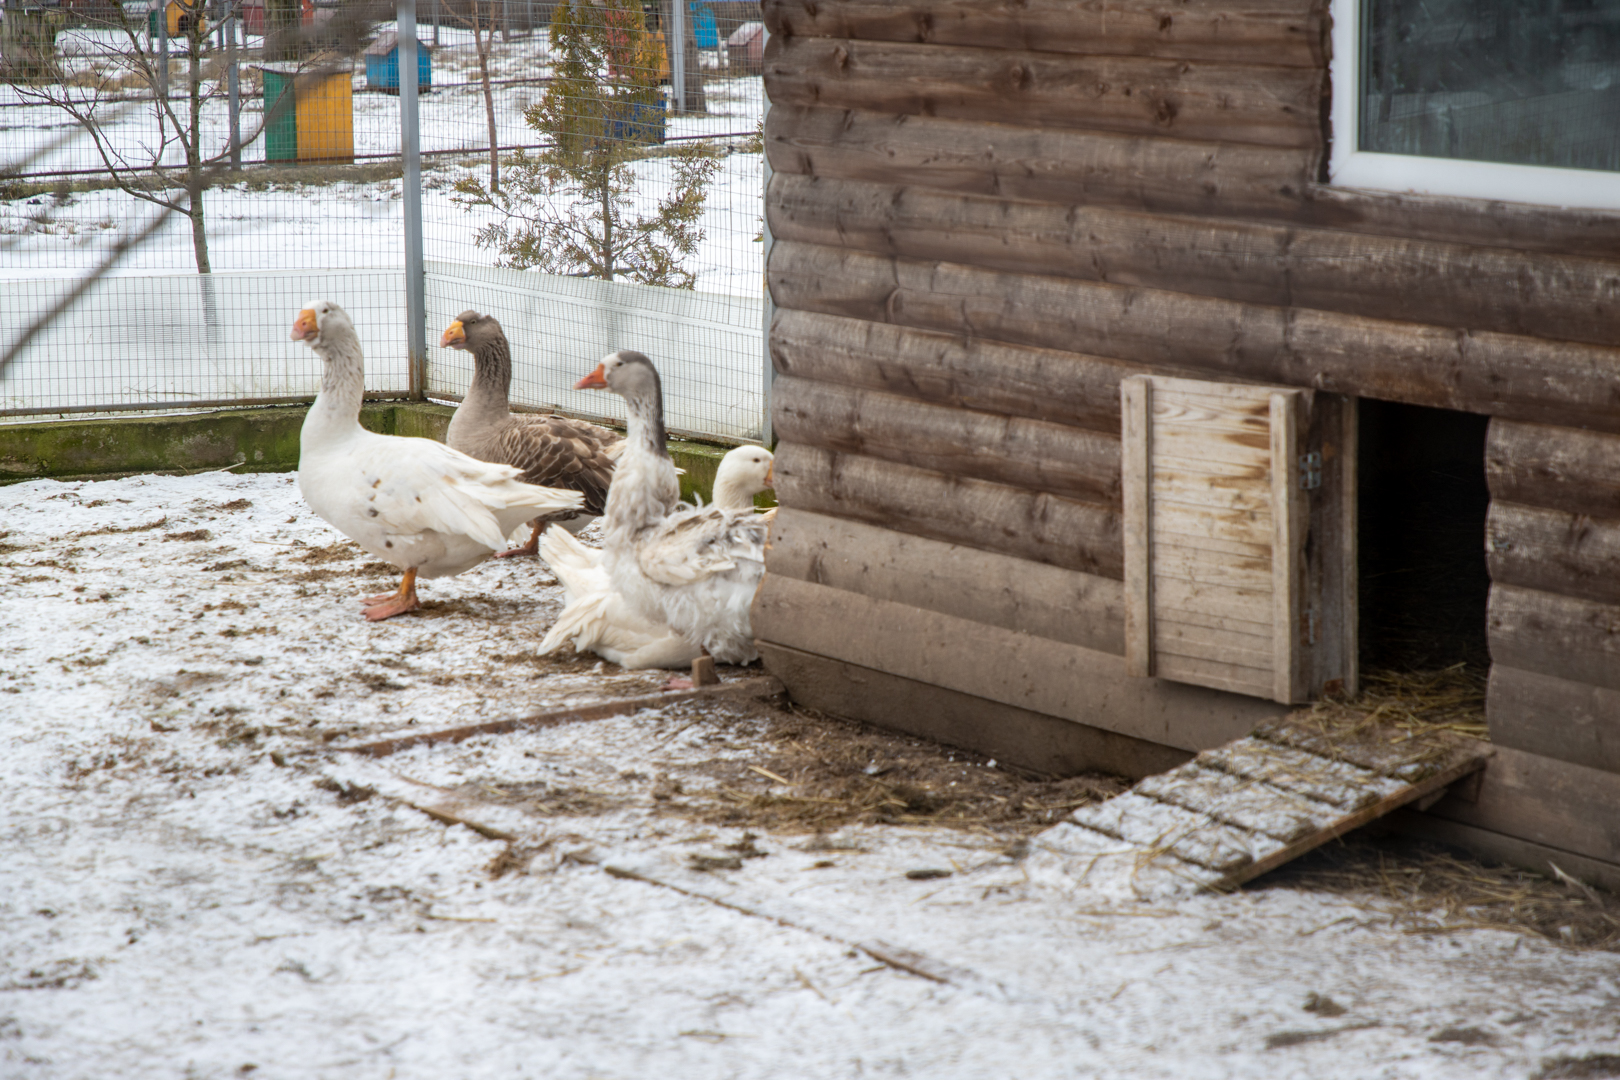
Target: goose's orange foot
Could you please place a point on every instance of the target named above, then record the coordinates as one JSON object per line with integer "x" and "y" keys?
{"x": 393, "y": 605}
{"x": 677, "y": 682}
{"x": 531, "y": 548}
{"x": 386, "y": 606}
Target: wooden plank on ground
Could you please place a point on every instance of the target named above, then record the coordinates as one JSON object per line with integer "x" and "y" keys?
{"x": 758, "y": 686}
{"x": 1233, "y": 813}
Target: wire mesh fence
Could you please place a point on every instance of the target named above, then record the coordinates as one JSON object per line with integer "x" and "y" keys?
{"x": 590, "y": 173}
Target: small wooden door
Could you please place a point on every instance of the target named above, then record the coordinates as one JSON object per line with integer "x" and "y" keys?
{"x": 1239, "y": 536}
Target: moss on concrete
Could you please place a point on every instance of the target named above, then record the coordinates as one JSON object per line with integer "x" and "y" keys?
{"x": 255, "y": 440}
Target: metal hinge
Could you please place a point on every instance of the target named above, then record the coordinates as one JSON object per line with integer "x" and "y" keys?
{"x": 1310, "y": 471}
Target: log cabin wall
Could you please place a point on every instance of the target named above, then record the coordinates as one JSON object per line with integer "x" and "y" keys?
{"x": 986, "y": 213}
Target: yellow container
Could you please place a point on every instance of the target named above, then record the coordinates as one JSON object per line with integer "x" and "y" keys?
{"x": 326, "y": 119}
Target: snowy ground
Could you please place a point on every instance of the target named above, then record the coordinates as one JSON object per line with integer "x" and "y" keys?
{"x": 194, "y": 882}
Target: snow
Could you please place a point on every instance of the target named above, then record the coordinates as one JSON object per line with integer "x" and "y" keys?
{"x": 130, "y": 341}
{"x": 177, "y": 903}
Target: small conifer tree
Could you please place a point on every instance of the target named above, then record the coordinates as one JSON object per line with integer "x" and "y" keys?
{"x": 568, "y": 209}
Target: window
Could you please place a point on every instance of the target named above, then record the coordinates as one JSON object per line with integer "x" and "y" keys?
{"x": 1496, "y": 99}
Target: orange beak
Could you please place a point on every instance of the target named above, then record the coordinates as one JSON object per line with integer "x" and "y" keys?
{"x": 454, "y": 335}
{"x": 770, "y": 475}
{"x": 304, "y": 326}
{"x": 596, "y": 380}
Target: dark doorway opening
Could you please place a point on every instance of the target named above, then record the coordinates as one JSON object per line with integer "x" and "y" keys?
{"x": 1422, "y": 501}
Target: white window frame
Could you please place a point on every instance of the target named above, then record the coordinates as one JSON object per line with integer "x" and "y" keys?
{"x": 1350, "y": 167}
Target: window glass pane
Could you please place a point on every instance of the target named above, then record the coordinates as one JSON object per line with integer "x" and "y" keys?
{"x": 1528, "y": 82}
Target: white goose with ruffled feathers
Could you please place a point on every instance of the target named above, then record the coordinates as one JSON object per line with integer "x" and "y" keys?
{"x": 596, "y": 619}
{"x": 692, "y": 568}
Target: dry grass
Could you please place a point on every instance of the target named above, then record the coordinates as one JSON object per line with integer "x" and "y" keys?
{"x": 817, "y": 773}
{"x": 1425, "y": 889}
{"x": 1449, "y": 699}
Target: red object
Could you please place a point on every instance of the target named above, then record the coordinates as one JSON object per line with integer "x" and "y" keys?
{"x": 745, "y": 48}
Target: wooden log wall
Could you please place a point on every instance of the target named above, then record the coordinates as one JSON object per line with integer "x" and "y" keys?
{"x": 1553, "y": 543}
{"x": 986, "y": 213}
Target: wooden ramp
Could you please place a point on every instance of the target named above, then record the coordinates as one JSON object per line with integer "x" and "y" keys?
{"x": 1237, "y": 811}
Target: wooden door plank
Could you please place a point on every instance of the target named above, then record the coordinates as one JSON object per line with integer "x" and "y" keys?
{"x": 1284, "y": 564}
{"x": 1136, "y": 404}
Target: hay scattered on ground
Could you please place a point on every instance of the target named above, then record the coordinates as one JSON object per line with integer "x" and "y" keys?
{"x": 819, "y": 773}
{"x": 1426, "y": 889}
{"x": 1414, "y": 702}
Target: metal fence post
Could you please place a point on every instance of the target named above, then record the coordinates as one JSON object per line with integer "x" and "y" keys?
{"x": 410, "y": 151}
{"x": 163, "y": 53}
{"x": 233, "y": 87}
{"x": 677, "y": 52}
{"x": 767, "y": 308}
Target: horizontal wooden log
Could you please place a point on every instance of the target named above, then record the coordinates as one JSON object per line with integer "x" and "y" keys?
{"x": 1262, "y": 106}
{"x": 1552, "y": 466}
{"x": 1557, "y": 635}
{"x": 1455, "y": 285}
{"x": 1046, "y": 164}
{"x": 1036, "y": 674}
{"x": 1034, "y": 454}
{"x": 980, "y": 514}
{"x": 951, "y": 369}
{"x": 1030, "y": 740}
{"x": 1545, "y": 801}
{"x": 1488, "y": 222}
{"x": 1162, "y": 175}
{"x": 1506, "y": 375}
{"x": 1283, "y": 32}
{"x": 1553, "y": 717}
{"x": 980, "y": 586}
{"x": 1554, "y": 551}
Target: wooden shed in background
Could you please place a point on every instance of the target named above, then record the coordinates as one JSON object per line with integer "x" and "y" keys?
{"x": 1361, "y": 426}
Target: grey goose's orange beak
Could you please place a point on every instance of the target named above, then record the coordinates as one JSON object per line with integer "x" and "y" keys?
{"x": 454, "y": 337}
{"x": 596, "y": 380}
{"x": 305, "y": 327}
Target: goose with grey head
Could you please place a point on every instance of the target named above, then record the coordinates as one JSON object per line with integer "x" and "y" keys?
{"x": 692, "y": 568}
{"x": 428, "y": 509}
{"x": 596, "y": 619}
{"x": 553, "y": 451}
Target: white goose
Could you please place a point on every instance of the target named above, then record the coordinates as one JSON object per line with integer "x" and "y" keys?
{"x": 694, "y": 568}
{"x": 430, "y": 510}
{"x": 596, "y": 619}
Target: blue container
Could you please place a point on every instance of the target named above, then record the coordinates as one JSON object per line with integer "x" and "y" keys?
{"x": 382, "y": 65}
{"x": 645, "y": 124}
{"x": 704, "y": 28}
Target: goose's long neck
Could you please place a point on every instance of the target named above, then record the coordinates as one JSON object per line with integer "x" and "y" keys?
{"x": 488, "y": 398}
{"x": 644, "y": 487}
{"x": 731, "y": 492}
{"x": 336, "y": 412}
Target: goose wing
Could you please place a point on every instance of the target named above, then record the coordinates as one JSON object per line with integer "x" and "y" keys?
{"x": 692, "y": 545}
{"x": 417, "y": 485}
{"x": 555, "y": 451}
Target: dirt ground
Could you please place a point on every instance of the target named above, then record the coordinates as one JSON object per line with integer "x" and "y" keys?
{"x": 201, "y": 881}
